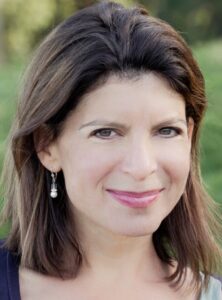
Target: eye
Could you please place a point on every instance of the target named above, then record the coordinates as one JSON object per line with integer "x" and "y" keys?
{"x": 103, "y": 133}
{"x": 169, "y": 132}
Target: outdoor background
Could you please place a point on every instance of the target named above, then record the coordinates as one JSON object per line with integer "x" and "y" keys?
{"x": 24, "y": 23}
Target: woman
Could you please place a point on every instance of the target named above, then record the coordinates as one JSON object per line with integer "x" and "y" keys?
{"x": 103, "y": 187}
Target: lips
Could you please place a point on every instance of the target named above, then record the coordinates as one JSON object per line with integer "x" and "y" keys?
{"x": 135, "y": 194}
{"x": 135, "y": 199}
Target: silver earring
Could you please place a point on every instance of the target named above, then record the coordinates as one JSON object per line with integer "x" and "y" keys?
{"x": 54, "y": 190}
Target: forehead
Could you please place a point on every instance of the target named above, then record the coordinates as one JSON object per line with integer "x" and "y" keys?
{"x": 145, "y": 92}
{"x": 143, "y": 102}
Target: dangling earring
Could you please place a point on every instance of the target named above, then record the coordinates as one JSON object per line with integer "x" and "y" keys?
{"x": 54, "y": 190}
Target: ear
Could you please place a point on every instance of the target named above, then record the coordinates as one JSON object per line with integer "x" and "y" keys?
{"x": 47, "y": 150}
{"x": 49, "y": 158}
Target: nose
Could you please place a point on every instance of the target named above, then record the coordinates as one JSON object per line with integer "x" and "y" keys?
{"x": 139, "y": 159}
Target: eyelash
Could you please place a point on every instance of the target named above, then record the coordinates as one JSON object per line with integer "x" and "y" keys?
{"x": 177, "y": 131}
{"x": 94, "y": 133}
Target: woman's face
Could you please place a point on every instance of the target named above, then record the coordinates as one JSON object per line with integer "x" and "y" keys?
{"x": 125, "y": 136}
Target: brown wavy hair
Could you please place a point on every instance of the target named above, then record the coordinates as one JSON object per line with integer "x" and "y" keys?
{"x": 76, "y": 57}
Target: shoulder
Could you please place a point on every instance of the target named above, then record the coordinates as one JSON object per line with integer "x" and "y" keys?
{"x": 9, "y": 286}
{"x": 214, "y": 290}
{"x": 218, "y": 278}
{"x": 4, "y": 294}
{"x": 8, "y": 260}
{"x": 3, "y": 260}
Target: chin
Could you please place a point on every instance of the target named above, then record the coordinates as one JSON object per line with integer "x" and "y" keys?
{"x": 135, "y": 230}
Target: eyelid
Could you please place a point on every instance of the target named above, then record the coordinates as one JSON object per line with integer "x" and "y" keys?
{"x": 178, "y": 130}
{"x": 94, "y": 132}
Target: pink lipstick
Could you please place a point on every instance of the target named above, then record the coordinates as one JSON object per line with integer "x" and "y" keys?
{"x": 134, "y": 199}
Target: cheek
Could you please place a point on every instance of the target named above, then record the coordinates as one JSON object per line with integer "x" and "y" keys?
{"x": 85, "y": 170}
{"x": 175, "y": 161}
{"x": 175, "y": 165}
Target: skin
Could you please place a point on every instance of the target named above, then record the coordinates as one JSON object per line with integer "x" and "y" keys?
{"x": 151, "y": 151}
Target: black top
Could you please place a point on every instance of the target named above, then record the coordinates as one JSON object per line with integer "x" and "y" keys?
{"x": 9, "y": 278}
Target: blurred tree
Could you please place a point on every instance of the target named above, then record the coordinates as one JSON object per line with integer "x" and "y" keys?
{"x": 23, "y": 20}
{"x": 24, "y": 23}
{"x": 2, "y": 35}
{"x": 84, "y": 3}
{"x": 196, "y": 19}
{"x": 2, "y": 42}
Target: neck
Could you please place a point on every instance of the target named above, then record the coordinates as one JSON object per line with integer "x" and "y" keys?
{"x": 117, "y": 256}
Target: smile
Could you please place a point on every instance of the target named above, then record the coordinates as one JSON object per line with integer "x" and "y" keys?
{"x": 135, "y": 200}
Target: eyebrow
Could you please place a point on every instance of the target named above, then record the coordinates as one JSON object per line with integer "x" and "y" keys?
{"x": 102, "y": 122}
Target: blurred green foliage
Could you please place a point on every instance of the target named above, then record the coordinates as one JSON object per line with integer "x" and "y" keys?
{"x": 196, "y": 19}
{"x": 210, "y": 59}
{"x": 24, "y": 23}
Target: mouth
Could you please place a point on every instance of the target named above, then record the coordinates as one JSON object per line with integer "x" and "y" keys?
{"x": 135, "y": 199}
